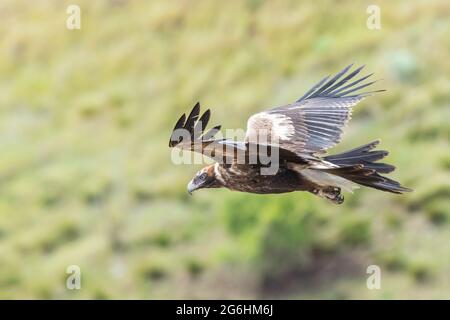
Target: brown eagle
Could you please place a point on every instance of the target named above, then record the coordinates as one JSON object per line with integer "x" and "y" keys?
{"x": 299, "y": 134}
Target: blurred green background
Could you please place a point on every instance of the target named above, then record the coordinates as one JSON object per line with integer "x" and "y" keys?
{"x": 85, "y": 171}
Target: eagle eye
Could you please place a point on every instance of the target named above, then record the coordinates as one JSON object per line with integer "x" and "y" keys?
{"x": 203, "y": 176}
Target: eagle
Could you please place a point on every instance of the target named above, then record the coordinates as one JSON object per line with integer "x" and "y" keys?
{"x": 295, "y": 138}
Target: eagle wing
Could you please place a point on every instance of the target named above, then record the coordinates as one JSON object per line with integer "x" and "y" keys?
{"x": 315, "y": 122}
{"x": 189, "y": 134}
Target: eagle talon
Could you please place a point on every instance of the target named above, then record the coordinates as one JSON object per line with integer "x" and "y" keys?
{"x": 331, "y": 193}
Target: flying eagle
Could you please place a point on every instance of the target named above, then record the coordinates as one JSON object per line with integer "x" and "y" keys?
{"x": 299, "y": 134}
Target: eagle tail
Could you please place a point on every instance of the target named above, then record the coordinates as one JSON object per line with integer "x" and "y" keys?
{"x": 359, "y": 165}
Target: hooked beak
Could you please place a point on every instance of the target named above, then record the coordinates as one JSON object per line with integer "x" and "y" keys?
{"x": 191, "y": 187}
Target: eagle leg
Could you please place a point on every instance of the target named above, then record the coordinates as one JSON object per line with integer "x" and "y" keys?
{"x": 331, "y": 193}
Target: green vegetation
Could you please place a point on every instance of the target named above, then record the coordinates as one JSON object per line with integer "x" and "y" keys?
{"x": 85, "y": 171}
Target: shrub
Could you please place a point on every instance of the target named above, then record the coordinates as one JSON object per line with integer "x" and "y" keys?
{"x": 277, "y": 232}
{"x": 355, "y": 231}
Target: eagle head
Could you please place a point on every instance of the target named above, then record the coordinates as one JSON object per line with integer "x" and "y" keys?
{"x": 205, "y": 178}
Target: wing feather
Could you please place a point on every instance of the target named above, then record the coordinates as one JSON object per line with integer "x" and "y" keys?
{"x": 315, "y": 122}
{"x": 221, "y": 150}
{"x": 192, "y": 128}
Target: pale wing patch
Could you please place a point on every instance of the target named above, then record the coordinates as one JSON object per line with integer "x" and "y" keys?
{"x": 269, "y": 127}
{"x": 282, "y": 126}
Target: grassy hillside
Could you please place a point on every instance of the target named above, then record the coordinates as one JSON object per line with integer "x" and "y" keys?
{"x": 86, "y": 177}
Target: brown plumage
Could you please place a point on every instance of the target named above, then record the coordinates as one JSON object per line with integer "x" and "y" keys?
{"x": 294, "y": 137}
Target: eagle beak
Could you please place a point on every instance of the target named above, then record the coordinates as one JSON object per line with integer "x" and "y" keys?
{"x": 191, "y": 187}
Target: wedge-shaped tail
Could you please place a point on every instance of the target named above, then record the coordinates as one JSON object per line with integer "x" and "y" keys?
{"x": 359, "y": 165}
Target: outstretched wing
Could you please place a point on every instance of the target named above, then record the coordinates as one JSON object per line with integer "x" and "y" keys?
{"x": 187, "y": 131}
{"x": 189, "y": 134}
{"x": 315, "y": 122}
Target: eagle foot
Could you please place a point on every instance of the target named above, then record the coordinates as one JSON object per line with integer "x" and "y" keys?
{"x": 331, "y": 193}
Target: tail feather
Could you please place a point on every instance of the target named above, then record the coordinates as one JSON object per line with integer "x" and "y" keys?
{"x": 358, "y": 165}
